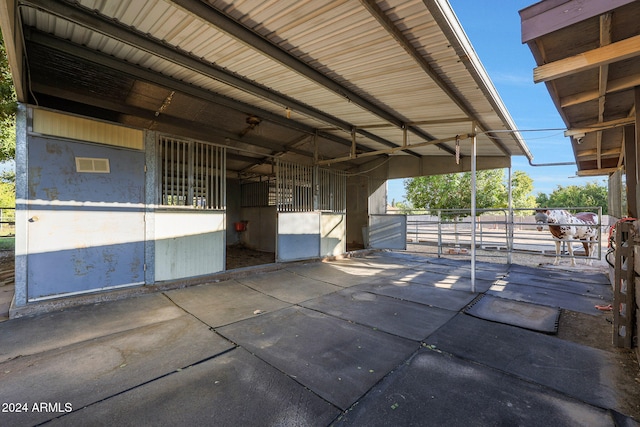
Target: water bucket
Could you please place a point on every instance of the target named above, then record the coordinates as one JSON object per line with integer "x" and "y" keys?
{"x": 240, "y": 226}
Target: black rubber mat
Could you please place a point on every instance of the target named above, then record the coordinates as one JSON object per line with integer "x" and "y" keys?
{"x": 95, "y": 369}
{"x": 561, "y": 283}
{"x": 402, "y": 318}
{"x": 452, "y": 280}
{"x": 522, "y": 314}
{"x": 235, "y": 389}
{"x": 576, "y": 370}
{"x": 336, "y": 359}
{"x": 448, "y": 299}
{"x": 557, "y": 273}
{"x": 549, "y": 297}
{"x": 436, "y": 389}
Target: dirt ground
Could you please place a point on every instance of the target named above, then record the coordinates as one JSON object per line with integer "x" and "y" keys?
{"x": 239, "y": 256}
{"x": 7, "y": 287}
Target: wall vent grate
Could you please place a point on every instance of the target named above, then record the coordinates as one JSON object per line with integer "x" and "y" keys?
{"x": 92, "y": 165}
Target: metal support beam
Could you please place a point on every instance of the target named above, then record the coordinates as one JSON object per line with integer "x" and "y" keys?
{"x": 144, "y": 42}
{"x": 352, "y": 155}
{"x": 474, "y": 154}
{"x": 256, "y": 42}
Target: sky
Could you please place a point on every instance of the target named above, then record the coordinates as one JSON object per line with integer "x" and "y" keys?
{"x": 493, "y": 27}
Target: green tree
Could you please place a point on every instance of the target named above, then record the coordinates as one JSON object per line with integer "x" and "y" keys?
{"x": 521, "y": 189}
{"x": 7, "y": 193}
{"x": 453, "y": 191}
{"x": 589, "y": 194}
{"x": 8, "y": 108}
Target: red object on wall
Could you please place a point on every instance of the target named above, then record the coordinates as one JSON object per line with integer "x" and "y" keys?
{"x": 240, "y": 226}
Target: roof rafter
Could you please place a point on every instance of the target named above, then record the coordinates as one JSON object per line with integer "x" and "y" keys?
{"x": 245, "y": 35}
{"x": 170, "y": 83}
{"x": 603, "y": 55}
{"x": 390, "y": 27}
{"x": 131, "y": 37}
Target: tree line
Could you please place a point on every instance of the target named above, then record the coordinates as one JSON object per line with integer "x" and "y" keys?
{"x": 8, "y": 108}
{"x": 453, "y": 191}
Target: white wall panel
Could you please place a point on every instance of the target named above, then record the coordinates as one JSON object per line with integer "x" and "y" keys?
{"x": 333, "y": 234}
{"x": 298, "y": 236}
{"x": 188, "y": 243}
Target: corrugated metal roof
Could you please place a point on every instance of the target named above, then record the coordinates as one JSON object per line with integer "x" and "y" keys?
{"x": 376, "y": 76}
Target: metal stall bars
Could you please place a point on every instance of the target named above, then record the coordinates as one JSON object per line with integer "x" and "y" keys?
{"x": 307, "y": 188}
{"x": 311, "y": 206}
{"x": 294, "y": 186}
{"x": 332, "y": 191}
{"x": 192, "y": 174}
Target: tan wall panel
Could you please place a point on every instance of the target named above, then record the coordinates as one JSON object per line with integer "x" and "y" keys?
{"x": 62, "y": 125}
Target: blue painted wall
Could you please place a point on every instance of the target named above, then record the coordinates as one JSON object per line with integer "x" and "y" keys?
{"x": 85, "y": 230}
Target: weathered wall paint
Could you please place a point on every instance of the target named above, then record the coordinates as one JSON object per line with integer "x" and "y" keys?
{"x": 188, "y": 243}
{"x": 85, "y": 230}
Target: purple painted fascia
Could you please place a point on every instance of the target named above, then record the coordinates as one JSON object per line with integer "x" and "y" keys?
{"x": 548, "y": 16}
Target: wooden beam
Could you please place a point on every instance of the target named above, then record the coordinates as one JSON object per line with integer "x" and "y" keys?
{"x": 624, "y": 49}
{"x": 600, "y": 126}
{"x": 634, "y": 133}
{"x": 593, "y": 152}
{"x": 630, "y": 166}
{"x": 617, "y": 85}
{"x": 597, "y": 172}
{"x": 605, "y": 39}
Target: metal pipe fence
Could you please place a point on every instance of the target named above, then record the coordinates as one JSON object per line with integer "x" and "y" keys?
{"x": 499, "y": 232}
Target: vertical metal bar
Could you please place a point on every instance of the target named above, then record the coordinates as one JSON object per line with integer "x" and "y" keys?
{"x": 190, "y": 173}
{"x": 195, "y": 177}
{"x": 278, "y": 182}
{"x": 509, "y": 222}
{"x": 473, "y": 207}
{"x": 213, "y": 174}
{"x": 439, "y": 233}
{"x": 179, "y": 151}
{"x": 163, "y": 171}
{"x": 215, "y": 164}
{"x": 223, "y": 171}
{"x": 296, "y": 184}
{"x": 599, "y": 243}
{"x": 185, "y": 171}
{"x": 173, "y": 142}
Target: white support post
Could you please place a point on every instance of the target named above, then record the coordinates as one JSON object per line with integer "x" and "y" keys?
{"x": 510, "y": 224}
{"x": 473, "y": 207}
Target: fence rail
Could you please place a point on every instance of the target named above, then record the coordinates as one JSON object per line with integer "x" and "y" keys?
{"x": 7, "y": 215}
{"x": 499, "y": 232}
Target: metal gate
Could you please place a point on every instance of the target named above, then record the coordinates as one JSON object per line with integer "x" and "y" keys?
{"x": 311, "y": 209}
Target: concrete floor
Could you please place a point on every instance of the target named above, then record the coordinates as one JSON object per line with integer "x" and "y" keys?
{"x": 386, "y": 339}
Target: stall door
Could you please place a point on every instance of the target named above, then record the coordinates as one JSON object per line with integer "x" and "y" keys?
{"x": 86, "y": 218}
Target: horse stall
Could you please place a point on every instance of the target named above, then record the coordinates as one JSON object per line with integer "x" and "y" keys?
{"x": 189, "y": 221}
{"x": 299, "y": 213}
{"x": 105, "y": 206}
{"x": 252, "y": 226}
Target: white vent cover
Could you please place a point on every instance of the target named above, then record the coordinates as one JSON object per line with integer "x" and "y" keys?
{"x": 92, "y": 165}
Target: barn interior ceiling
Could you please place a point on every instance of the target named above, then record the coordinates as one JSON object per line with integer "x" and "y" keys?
{"x": 334, "y": 82}
{"x": 588, "y": 55}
